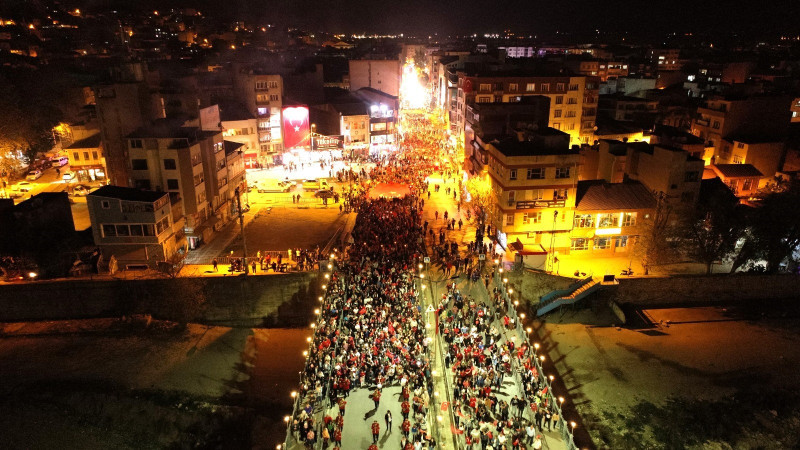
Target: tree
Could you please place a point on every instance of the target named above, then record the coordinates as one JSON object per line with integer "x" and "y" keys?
{"x": 711, "y": 233}
{"x": 773, "y": 231}
{"x": 655, "y": 244}
{"x": 481, "y": 197}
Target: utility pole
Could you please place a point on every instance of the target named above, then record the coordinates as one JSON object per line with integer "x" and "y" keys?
{"x": 241, "y": 226}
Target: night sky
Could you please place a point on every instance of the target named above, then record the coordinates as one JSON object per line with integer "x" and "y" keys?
{"x": 523, "y": 16}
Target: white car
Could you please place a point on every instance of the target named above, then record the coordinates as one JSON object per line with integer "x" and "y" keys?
{"x": 33, "y": 175}
{"x": 82, "y": 190}
{"x": 21, "y": 189}
{"x": 68, "y": 176}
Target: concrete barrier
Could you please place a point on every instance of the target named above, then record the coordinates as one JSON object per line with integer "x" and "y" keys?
{"x": 704, "y": 289}
{"x": 280, "y": 300}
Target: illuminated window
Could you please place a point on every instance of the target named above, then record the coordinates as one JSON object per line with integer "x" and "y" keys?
{"x": 629, "y": 219}
{"x": 513, "y": 87}
{"x": 531, "y": 217}
{"x": 748, "y": 184}
{"x": 622, "y": 241}
{"x": 602, "y": 243}
{"x": 607, "y": 220}
{"x": 560, "y": 194}
{"x": 530, "y": 87}
{"x": 583, "y": 221}
{"x": 579, "y": 244}
{"x": 545, "y": 87}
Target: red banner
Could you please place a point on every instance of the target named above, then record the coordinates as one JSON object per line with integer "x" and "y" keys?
{"x": 296, "y": 129}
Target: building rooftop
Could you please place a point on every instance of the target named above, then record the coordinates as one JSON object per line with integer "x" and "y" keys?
{"x": 128, "y": 194}
{"x": 512, "y": 146}
{"x": 351, "y": 109}
{"x": 92, "y": 141}
{"x": 599, "y": 195}
{"x": 231, "y": 111}
{"x": 614, "y": 127}
{"x": 231, "y": 146}
{"x": 736, "y": 170}
{"x": 372, "y": 95}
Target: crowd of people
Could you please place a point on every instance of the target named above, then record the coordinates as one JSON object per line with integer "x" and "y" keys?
{"x": 370, "y": 333}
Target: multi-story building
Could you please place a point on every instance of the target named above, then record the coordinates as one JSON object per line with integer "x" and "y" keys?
{"x": 122, "y": 107}
{"x": 136, "y": 227}
{"x": 166, "y": 156}
{"x": 724, "y": 117}
{"x": 379, "y": 74}
{"x": 488, "y": 121}
{"x": 239, "y": 125}
{"x": 383, "y": 109}
{"x": 573, "y": 99}
{"x": 665, "y": 59}
{"x": 602, "y": 69}
{"x": 766, "y": 155}
{"x": 263, "y": 96}
{"x": 628, "y": 109}
{"x": 86, "y": 158}
{"x": 795, "y": 109}
{"x": 534, "y": 182}
{"x": 609, "y": 217}
{"x": 671, "y": 171}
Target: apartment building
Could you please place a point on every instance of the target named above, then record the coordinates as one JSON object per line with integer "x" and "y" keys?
{"x": 573, "y": 99}
{"x": 765, "y": 154}
{"x": 534, "y": 182}
{"x": 86, "y": 158}
{"x": 602, "y": 69}
{"x": 609, "y": 217}
{"x": 727, "y": 117}
{"x": 240, "y": 125}
{"x": 379, "y": 74}
{"x": 262, "y": 95}
{"x": 166, "y": 156}
{"x": 136, "y": 227}
{"x": 122, "y": 107}
{"x": 487, "y": 121}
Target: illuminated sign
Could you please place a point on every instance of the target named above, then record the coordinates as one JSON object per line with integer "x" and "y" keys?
{"x": 296, "y": 129}
{"x": 607, "y": 231}
{"x": 321, "y": 142}
{"x": 530, "y": 204}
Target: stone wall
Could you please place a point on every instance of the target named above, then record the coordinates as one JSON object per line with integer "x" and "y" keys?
{"x": 688, "y": 290}
{"x": 277, "y": 300}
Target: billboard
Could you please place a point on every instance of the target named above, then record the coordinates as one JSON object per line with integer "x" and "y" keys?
{"x": 296, "y": 129}
{"x": 321, "y": 142}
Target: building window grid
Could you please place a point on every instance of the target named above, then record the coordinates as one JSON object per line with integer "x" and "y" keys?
{"x": 562, "y": 172}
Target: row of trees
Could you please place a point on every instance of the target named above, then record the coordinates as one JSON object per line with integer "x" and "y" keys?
{"x": 763, "y": 237}
{"x": 32, "y": 102}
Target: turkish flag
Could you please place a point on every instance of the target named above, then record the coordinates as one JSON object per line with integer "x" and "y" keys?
{"x": 296, "y": 129}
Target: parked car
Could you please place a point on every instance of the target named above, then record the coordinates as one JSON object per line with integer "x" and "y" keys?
{"x": 43, "y": 164}
{"x": 33, "y": 175}
{"x": 315, "y": 184}
{"x": 68, "y": 176}
{"x": 323, "y": 193}
{"x": 270, "y": 185}
{"x": 58, "y": 161}
{"x": 82, "y": 190}
{"x": 21, "y": 189}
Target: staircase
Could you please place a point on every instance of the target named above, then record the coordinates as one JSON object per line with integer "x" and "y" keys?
{"x": 574, "y": 293}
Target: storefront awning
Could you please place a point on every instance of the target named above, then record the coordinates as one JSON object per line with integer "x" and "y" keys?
{"x": 535, "y": 249}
